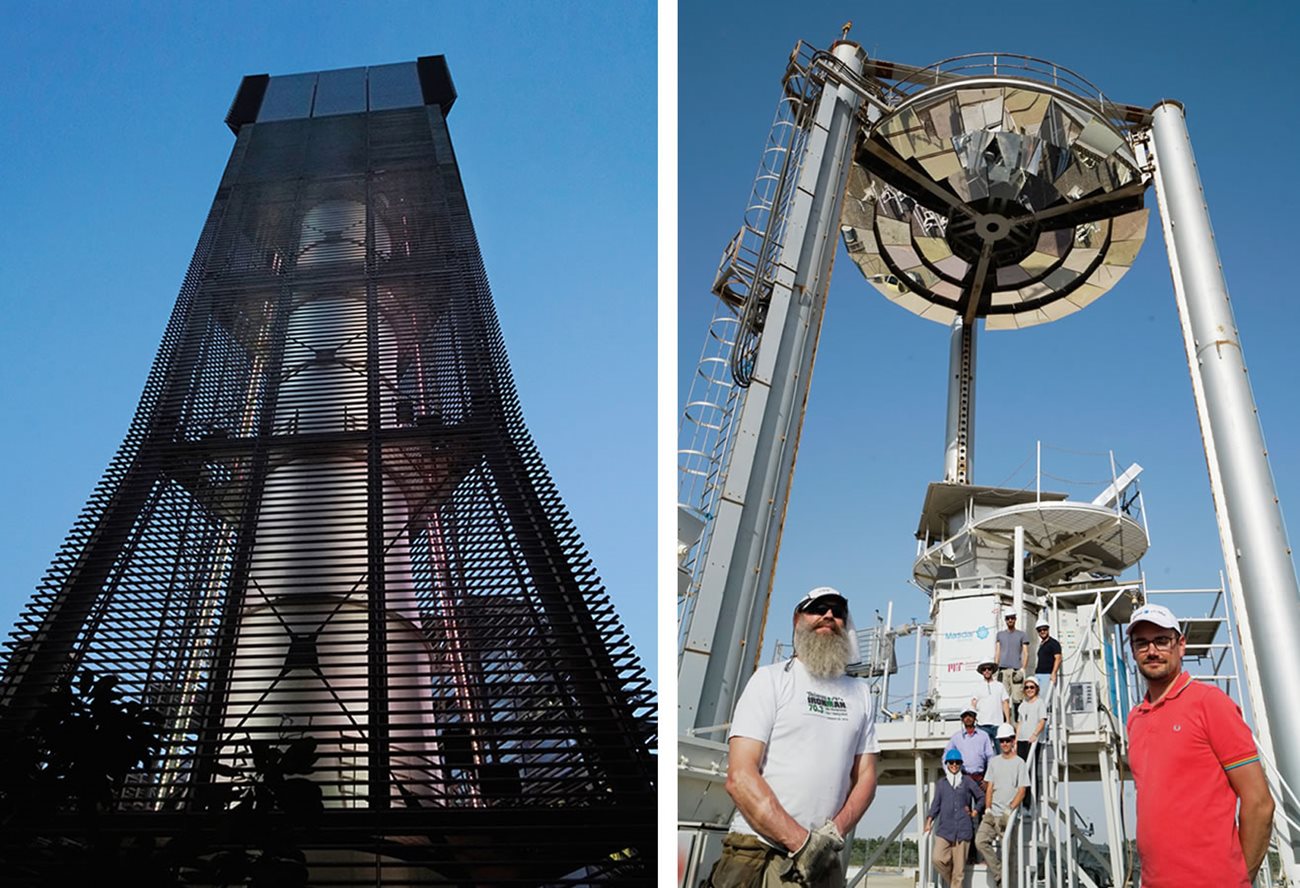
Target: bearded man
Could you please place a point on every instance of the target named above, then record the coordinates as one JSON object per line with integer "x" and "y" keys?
{"x": 802, "y": 764}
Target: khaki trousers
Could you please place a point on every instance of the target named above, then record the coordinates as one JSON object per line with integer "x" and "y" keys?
{"x": 1013, "y": 682}
{"x": 949, "y": 859}
{"x": 988, "y": 839}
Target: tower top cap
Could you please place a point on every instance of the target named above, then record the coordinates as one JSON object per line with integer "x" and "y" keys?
{"x": 264, "y": 98}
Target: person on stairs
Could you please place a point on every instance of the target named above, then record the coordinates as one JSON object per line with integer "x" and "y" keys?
{"x": 1005, "y": 782}
{"x": 957, "y": 803}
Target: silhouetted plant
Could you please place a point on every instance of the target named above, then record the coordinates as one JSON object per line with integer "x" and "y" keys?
{"x": 272, "y": 809}
{"x": 90, "y": 738}
{"x": 62, "y": 770}
{"x": 76, "y": 750}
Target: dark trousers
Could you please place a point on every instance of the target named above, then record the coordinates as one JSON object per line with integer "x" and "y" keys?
{"x": 978, "y": 777}
{"x": 1022, "y": 750}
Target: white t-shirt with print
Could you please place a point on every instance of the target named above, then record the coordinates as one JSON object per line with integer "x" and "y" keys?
{"x": 812, "y": 729}
{"x": 988, "y": 703}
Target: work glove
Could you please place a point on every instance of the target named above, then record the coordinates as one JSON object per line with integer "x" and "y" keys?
{"x": 811, "y": 862}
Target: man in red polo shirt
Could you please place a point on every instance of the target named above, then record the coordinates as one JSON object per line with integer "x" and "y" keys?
{"x": 1192, "y": 759}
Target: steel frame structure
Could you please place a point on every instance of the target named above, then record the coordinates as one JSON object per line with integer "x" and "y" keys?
{"x": 735, "y": 557}
{"x": 328, "y": 520}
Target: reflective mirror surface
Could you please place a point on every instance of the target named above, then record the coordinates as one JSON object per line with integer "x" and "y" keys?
{"x": 1010, "y": 202}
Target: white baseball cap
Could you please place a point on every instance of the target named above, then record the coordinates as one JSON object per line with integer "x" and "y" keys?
{"x": 819, "y": 592}
{"x": 1006, "y": 732}
{"x": 1156, "y": 614}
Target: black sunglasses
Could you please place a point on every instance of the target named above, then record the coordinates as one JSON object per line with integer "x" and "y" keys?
{"x": 837, "y": 609}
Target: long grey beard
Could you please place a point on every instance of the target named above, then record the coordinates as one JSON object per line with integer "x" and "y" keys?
{"x": 825, "y": 656}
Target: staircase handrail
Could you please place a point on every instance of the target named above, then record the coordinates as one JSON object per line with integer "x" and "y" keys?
{"x": 1013, "y": 818}
{"x": 888, "y": 841}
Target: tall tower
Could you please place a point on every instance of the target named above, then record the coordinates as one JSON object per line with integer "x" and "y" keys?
{"x": 327, "y": 520}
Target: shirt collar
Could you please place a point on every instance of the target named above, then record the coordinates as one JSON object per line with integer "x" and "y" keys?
{"x": 1180, "y": 684}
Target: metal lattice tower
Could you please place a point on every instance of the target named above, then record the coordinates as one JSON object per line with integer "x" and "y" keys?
{"x": 328, "y": 520}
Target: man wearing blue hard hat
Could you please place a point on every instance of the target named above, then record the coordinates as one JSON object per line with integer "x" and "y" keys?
{"x": 958, "y": 800}
{"x": 802, "y": 757}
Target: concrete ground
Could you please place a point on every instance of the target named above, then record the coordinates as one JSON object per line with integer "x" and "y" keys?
{"x": 892, "y": 877}
{"x": 885, "y": 877}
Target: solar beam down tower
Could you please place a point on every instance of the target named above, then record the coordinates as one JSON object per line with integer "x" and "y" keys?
{"x": 329, "y": 521}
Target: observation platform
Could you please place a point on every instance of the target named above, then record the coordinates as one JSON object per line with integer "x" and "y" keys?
{"x": 902, "y": 740}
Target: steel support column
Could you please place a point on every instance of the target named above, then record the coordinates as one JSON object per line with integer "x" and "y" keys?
{"x": 1018, "y": 577}
{"x": 378, "y": 722}
{"x": 725, "y": 637}
{"x": 1261, "y": 575}
{"x": 959, "y": 435}
{"x": 1110, "y": 802}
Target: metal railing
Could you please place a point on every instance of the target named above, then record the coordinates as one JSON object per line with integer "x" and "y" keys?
{"x": 908, "y": 81}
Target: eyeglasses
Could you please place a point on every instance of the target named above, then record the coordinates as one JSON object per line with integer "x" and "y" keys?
{"x": 836, "y": 610}
{"x": 958, "y": 764}
{"x": 1160, "y": 643}
{"x": 1007, "y": 740}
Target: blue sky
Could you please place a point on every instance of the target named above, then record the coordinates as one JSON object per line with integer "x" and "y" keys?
{"x": 1112, "y": 377}
{"x": 113, "y": 145}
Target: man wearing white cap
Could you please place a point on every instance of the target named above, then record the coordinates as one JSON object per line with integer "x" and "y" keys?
{"x": 1193, "y": 759}
{"x": 1005, "y": 782}
{"x": 802, "y": 757}
{"x": 1011, "y": 651}
{"x": 976, "y": 746}
{"x": 990, "y": 702}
